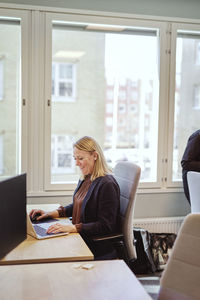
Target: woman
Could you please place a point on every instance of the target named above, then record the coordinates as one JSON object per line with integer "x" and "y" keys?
{"x": 96, "y": 203}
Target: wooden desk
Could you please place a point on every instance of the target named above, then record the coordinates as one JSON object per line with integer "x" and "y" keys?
{"x": 58, "y": 249}
{"x": 108, "y": 280}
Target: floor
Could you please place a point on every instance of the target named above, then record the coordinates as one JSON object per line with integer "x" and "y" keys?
{"x": 151, "y": 283}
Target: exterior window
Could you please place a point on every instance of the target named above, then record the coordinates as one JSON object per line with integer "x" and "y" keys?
{"x": 134, "y": 95}
{"x": 197, "y": 53}
{"x": 187, "y": 96}
{"x": 63, "y": 82}
{"x": 110, "y": 94}
{"x": 122, "y": 108}
{"x": 196, "y": 97}
{"x": 109, "y": 108}
{"x": 109, "y": 122}
{"x": 10, "y": 95}
{"x": 122, "y": 95}
{"x": 1, "y": 78}
{"x": 110, "y": 69}
{"x": 62, "y": 160}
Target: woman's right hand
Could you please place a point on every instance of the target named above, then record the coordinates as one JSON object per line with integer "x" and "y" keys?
{"x": 41, "y": 214}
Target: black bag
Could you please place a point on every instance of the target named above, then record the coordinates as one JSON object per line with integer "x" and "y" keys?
{"x": 161, "y": 246}
{"x": 144, "y": 263}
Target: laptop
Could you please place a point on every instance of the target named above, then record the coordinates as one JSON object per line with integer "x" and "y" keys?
{"x": 12, "y": 213}
{"x": 39, "y": 229}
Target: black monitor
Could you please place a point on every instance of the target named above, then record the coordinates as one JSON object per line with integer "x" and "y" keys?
{"x": 12, "y": 213}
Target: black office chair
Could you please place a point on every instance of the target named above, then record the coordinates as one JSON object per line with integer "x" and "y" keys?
{"x": 127, "y": 175}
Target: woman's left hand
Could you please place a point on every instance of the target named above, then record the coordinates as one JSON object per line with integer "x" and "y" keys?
{"x": 58, "y": 227}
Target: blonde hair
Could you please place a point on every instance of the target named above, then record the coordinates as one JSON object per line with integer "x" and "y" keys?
{"x": 89, "y": 144}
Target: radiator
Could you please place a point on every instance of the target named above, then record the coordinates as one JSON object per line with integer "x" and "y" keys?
{"x": 159, "y": 225}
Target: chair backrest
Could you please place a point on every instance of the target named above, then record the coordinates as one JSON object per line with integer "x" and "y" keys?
{"x": 193, "y": 179}
{"x": 180, "y": 279}
{"x": 127, "y": 175}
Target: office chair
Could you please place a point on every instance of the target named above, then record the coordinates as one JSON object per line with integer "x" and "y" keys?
{"x": 127, "y": 175}
{"x": 180, "y": 279}
{"x": 193, "y": 179}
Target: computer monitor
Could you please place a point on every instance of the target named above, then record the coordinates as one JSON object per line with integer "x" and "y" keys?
{"x": 12, "y": 213}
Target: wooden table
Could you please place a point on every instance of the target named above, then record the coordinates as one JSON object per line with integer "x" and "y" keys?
{"x": 57, "y": 249}
{"x": 109, "y": 280}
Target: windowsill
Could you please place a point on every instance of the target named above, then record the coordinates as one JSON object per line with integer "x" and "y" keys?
{"x": 139, "y": 191}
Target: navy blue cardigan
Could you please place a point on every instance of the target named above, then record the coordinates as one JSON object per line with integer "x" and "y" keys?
{"x": 100, "y": 207}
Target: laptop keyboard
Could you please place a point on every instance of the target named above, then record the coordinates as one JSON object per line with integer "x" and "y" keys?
{"x": 41, "y": 231}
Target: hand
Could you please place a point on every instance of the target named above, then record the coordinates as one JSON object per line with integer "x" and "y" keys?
{"x": 58, "y": 227}
{"x": 41, "y": 212}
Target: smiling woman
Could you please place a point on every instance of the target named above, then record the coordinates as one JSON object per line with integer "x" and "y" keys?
{"x": 95, "y": 207}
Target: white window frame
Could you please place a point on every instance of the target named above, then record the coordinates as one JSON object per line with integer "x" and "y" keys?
{"x": 197, "y": 54}
{"x": 56, "y": 97}
{"x": 48, "y": 62}
{"x": 22, "y": 107}
{"x": 1, "y": 78}
{"x": 168, "y": 160}
{"x": 196, "y": 97}
{"x": 56, "y": 168}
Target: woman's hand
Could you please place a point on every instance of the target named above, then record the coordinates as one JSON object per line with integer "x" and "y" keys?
{"x": 41, "y": 214}
{"x": 58, "y": 227}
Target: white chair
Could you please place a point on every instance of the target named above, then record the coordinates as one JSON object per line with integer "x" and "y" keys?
{"x": 193, "y": 179}
{"x": 127, "y": 175}
{"x": 181, "y": 277}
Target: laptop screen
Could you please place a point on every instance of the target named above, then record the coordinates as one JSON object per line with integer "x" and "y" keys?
{"x": 12, "y": 213}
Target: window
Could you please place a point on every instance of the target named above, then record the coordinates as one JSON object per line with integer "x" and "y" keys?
{"x": 109, "y": 108}
{"x": 109, "y": 121}
{"x": 122, "y": 95}
{"x": 1, "y": 79}
{"x": 197, "y": 52}
{"x": 63, "y": 82}
{"x": 110, "y": 94}
{"x": 13, "y": 88}
{"x": 187, "y": 94}
{"x": 62, "y": 161}
{"x": 196, "y": 97}
{"x": 109, "y": 65}
{"x": 122, "y": 108}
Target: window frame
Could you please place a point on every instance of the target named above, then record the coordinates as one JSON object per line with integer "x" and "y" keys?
{"x": 56, "y": 97}
{"x": 22, "y": 108}
{"x": 169, "y": 159}
{"x": 1, "y": 78}
{"x": 162, "y": 26}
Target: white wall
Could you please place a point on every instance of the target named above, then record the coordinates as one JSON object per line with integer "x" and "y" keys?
{"x": 167, "y": 8}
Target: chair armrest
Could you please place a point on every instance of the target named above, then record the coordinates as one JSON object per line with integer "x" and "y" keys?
{"x": 107, "y": 237}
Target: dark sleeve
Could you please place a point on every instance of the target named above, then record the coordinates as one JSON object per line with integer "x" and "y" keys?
{"x": 191, "y": 156}
{"x": 68, "y": 210}
{"x": 107, "y": 211}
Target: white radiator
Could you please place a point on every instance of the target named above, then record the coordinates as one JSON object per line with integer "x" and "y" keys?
{"x": 159, "y": 225}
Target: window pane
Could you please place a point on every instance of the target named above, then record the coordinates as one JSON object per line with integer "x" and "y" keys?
{"x": 187, "y": 95}
{"x": 10, "y": 85}
{"x": 65, "y": 71}
{"x": 116, "y": 84}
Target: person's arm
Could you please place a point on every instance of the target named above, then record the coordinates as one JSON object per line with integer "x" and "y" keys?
{"x": 107, "y": 211}
{"x": 191, "y": 156}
